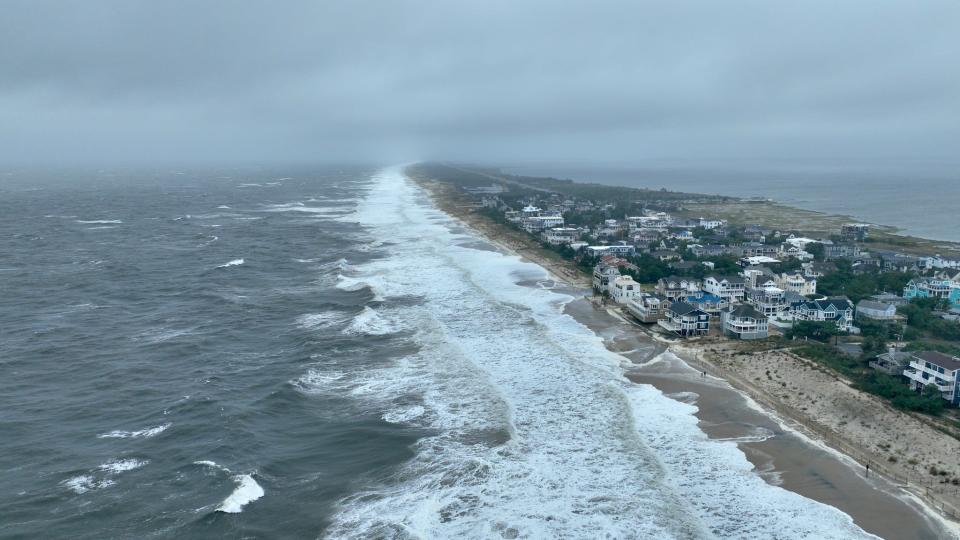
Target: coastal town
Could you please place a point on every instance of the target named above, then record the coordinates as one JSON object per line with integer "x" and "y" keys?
{"x": 703, "y": 276}
{"x": 855, "y": 340}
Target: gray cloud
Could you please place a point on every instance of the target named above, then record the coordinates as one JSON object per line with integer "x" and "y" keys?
{"x": 496, "y": 80}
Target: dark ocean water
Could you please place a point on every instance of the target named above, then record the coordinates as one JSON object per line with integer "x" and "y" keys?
{"x": 131, "y": 349}
{"x": 323, "y": 353}
{"x": 920, "y": 199}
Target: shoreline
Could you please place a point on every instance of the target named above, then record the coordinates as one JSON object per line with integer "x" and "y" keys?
{"x": 839, "y": 467}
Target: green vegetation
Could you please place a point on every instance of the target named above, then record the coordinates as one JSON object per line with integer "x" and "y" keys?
{"x": 921, "y": 318}
{"x": 856, "y": 287}
{"x": 888, "y": 387}
{"x": 900, "y": 395}
{"x": 822, "y": 331}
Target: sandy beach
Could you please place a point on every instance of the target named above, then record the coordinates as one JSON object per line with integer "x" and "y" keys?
{"x": 790, "y": 418}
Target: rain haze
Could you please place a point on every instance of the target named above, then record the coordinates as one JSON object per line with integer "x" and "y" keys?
{"x": 624, "y": 82}
{"x": 490, "y": 269}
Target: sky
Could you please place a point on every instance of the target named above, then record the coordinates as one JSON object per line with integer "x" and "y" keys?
{"x": 115, "y": 82}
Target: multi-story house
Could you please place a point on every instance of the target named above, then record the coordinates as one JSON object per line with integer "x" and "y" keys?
{"x": 941, "y": 370}
{"x": 840, "y": 251}
{"x": 675, "y": 288}
{"x": 798, "y": 283}
{"x": 709, "y": 303}
{"x": 560, "y": 235}
{"x": 603, "y": 276}
{"x": 648, "y": 308}
{"x": 934, "y": 287}
{"x": 615, "y": 249}
{"x": 744, "y": 322}
{"x": 685, "y": 320}
{"x": 730, "y": 288}
{"x": 623, "y": 289}
{"x": 855, "y": 232}
{"x": 769, "y": 301}
{"x": 837, "y": 309}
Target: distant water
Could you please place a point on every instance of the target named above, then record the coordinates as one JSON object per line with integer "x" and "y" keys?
{"x": 326, "y": 354}
{"x": 921, "y": 200}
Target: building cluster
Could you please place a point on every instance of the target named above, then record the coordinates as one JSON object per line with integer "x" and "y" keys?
{"x": 753, "y": 301}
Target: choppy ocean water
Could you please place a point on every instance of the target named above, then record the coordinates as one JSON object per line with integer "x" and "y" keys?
{"x": 325, "y": 354}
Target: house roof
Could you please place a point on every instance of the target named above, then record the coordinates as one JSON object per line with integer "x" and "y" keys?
{"x": 870, "y": 304}
{"x": 943, "y": 360}
{"x": 746, "y": 310}
{"x": 729, "y": 279}
{"x": 683, "y": 308}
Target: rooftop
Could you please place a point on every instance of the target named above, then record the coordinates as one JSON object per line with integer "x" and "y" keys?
{"x": 938, "y": 358}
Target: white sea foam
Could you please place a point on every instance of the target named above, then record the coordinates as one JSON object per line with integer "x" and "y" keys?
{"x": 369, "y": 322}
{"x": 85, "y": 482}
{"x": 235, "y": 262}
{"x": 300, "y": 207}
{"x": 142, "y": 433}
{"x": 313, "y": 321}
{"x": 404, "y": 415}
{"x": 99, "y": 221}
{"x": 223, "y": 207}
{"x": 538, "y": 432}
{"x": 118, "y": 466}
{"x": 247, "y": 491}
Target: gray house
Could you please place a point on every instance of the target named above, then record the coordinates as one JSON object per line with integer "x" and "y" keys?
{"x": 743, "y": 322}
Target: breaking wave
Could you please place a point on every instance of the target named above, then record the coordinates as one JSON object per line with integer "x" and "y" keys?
{"x": 538, "y": 432}
{"x": 235, "y": 262}
{"x": 146, "y": 432}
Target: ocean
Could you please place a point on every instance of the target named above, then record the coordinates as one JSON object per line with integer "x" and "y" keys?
{"x": 919, "y": 199}
{"x": 323, "y": 353}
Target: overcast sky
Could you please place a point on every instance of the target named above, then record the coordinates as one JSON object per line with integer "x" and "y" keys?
{"x": 498, "y": 81}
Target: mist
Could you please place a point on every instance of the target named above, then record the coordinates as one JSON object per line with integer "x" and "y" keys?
{"x": 120, "y": 82}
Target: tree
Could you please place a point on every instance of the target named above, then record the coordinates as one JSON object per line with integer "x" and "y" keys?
{"x": 817, "y": 250}
{"x": 817, "y": 330}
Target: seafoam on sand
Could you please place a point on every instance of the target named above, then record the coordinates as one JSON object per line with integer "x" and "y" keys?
{"x": 538, "y": 433}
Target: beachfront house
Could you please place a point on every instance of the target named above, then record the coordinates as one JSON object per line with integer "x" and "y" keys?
{"x": 603, "y": 276}
{"x": 730, "y": 288}
{"x": 623, "y": 289}
{"x": 743, "y": 322}
{"x": 615, "y": 249}
{"x": 837, "y": 309}
{"x": 707, "y": 302}
{"x": 560, "y": 235}
{"x": 648, "y": 308}
{"x": 675, "y": 288}
{"x": 685, "y": 320}
{"x": 770, "y": 301}
{"x": 941, "y": 370}
{"x": 877, "y": 311}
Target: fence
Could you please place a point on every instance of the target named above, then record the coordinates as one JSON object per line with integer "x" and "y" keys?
{"x": 923, "y": 484}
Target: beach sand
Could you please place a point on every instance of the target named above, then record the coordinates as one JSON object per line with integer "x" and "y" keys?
{"x": 781, "y": 454}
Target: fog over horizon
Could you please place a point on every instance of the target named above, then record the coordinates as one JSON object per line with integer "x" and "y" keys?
{"x": 741, "y": 82}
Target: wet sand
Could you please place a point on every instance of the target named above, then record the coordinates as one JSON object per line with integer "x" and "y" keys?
{"x": 780, "y": 455}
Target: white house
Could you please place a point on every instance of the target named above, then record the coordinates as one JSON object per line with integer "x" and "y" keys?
{"x": 673, "y": 287}
{"x": 560, "y": 235}
{"x": 616, "y": 249}
{"x": 930, "y": 367}
{"x": 879, "y": 311}
{"x": 730, "y": 288}
{"x": 796, "y": 282}
{"x": 623, "y": 289}
{"x": 712, "y": 223}
{"x": 534, "y": 224}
